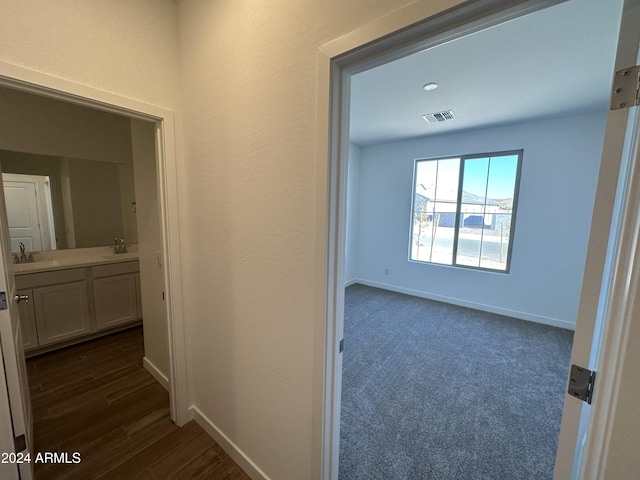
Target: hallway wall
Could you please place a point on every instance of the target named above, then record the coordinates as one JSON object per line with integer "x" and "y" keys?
{"x": 128, "y": 48}
{"x": 249, "y": 80}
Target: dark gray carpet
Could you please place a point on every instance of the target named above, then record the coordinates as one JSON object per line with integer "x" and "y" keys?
{"x": 439, "y": 392}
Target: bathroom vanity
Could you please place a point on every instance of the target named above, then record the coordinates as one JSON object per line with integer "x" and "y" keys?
{"x": 76, "y": 296}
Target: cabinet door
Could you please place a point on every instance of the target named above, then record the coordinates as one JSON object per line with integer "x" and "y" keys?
{"x": 62, "y": 312}
{"x": 28, "y": 321}
{"x": 115, "y": 300}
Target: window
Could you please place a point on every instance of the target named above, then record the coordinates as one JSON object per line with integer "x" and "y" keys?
{"x": 464, "y": 210}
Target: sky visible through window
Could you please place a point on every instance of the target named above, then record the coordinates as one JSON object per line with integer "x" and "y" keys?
{"x": 483, "y": 209}
{"x": 502, "y": 176}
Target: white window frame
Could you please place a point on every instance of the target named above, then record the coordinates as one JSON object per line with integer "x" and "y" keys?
{"x": 463, "y": 159}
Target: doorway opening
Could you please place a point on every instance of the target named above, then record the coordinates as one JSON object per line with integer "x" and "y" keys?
{"x": 458, "y": 254}
{"x": 158, "y": 129}
{"x": 353, "y": 54}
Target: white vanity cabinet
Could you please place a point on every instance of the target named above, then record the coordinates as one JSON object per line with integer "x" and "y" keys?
{"x": 115, "y": 291}
{"x": 60, "y": 304}
{"x": 70, "y": 305}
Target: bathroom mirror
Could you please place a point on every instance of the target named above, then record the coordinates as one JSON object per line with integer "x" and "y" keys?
{"x": 56, "y": 203}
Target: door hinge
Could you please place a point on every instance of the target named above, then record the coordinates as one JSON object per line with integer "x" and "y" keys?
{"x": 20, "y": 443}
{"x": 626, "y": 88}
{"x": 581, "y": 383}
{"x": 341, "y": 347}
{"x": 3, "y": 300}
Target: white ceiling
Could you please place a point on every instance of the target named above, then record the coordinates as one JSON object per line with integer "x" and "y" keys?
{"x": 555, "y": 62}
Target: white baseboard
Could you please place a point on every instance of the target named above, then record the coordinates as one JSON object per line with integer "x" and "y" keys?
{"x": 155, "y": 373}
{"x": 554, "y": 322}
{"x": 348, "y": 283}
{"x": 228, "y": 446}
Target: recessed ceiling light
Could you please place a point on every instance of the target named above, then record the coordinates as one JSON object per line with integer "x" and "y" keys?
{"x": 430, "y": 86}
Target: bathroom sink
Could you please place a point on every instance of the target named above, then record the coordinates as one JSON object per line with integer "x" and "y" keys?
{"x": 115, "y": 256}
{"x": 37, "y": 265}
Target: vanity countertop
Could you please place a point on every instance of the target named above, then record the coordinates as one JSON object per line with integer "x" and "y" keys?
{"x": 81, "y": 258}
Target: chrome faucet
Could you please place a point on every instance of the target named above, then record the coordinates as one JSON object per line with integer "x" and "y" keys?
{"x": 24, "y": 256}
{"x": 119, "y": 246}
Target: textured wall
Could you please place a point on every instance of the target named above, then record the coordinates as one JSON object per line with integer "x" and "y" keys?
{"x": 121, "y": 46}
{"x": 34, "y": 124}
{"x": 95, "y": 202}
{"x": 249, "y": 85}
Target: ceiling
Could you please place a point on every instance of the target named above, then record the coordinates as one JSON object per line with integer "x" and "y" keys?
{"x": 555, "y": 62}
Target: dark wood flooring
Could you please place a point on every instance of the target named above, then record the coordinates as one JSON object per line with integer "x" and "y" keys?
{"x": 96, "y": 399}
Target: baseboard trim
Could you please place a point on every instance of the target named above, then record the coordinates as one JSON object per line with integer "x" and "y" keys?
{"x": 155, "y": 373}
{"x": 228, "y": 446}
{"x": 348, "y": 283}
{"x": 554, "y": 322}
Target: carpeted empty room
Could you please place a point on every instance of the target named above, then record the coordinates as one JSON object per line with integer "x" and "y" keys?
{"x": 436, "y": 391}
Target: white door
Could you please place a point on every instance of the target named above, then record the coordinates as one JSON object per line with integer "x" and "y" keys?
{"x": 22, "y": 215}
{"x": 598, "y": 294}
{"x": 15, "y": 408}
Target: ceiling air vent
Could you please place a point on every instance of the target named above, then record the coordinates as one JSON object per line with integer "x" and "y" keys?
{"x": 439, "y": 116}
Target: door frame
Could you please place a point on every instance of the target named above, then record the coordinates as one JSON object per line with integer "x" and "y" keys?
{"x": 412, "y": 28}
{"x": 29, "y": 81}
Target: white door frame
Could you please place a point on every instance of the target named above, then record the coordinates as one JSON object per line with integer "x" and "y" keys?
{"x": 23, "y": 79}
{"x": 412, "y": 28}
{"x": 623, "y": 309}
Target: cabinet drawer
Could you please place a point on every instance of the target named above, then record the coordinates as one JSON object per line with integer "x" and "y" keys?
{"x": 42, "y": 279}
{"x": 111, "y": 269}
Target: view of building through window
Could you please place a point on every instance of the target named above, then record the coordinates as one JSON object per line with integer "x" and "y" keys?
{"x": 463, "y": 210}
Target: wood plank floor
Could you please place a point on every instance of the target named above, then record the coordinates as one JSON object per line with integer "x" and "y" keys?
{"x": 95, "y": 398}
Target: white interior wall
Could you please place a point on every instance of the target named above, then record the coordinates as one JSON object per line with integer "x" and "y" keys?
{"x": 127, "y": 199}
{"x": 249, "y": 79}
{"x": 67, "y": 203}
{"x": 95, "y": 202}
{"x": 557, "y": 191}
{"x": 35, "y": 124}
{"x": 128, "y": 48}
{"x": 351, "y": 243}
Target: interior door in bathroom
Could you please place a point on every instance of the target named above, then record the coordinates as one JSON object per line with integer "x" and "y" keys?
{"x": 29, "y": 211}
